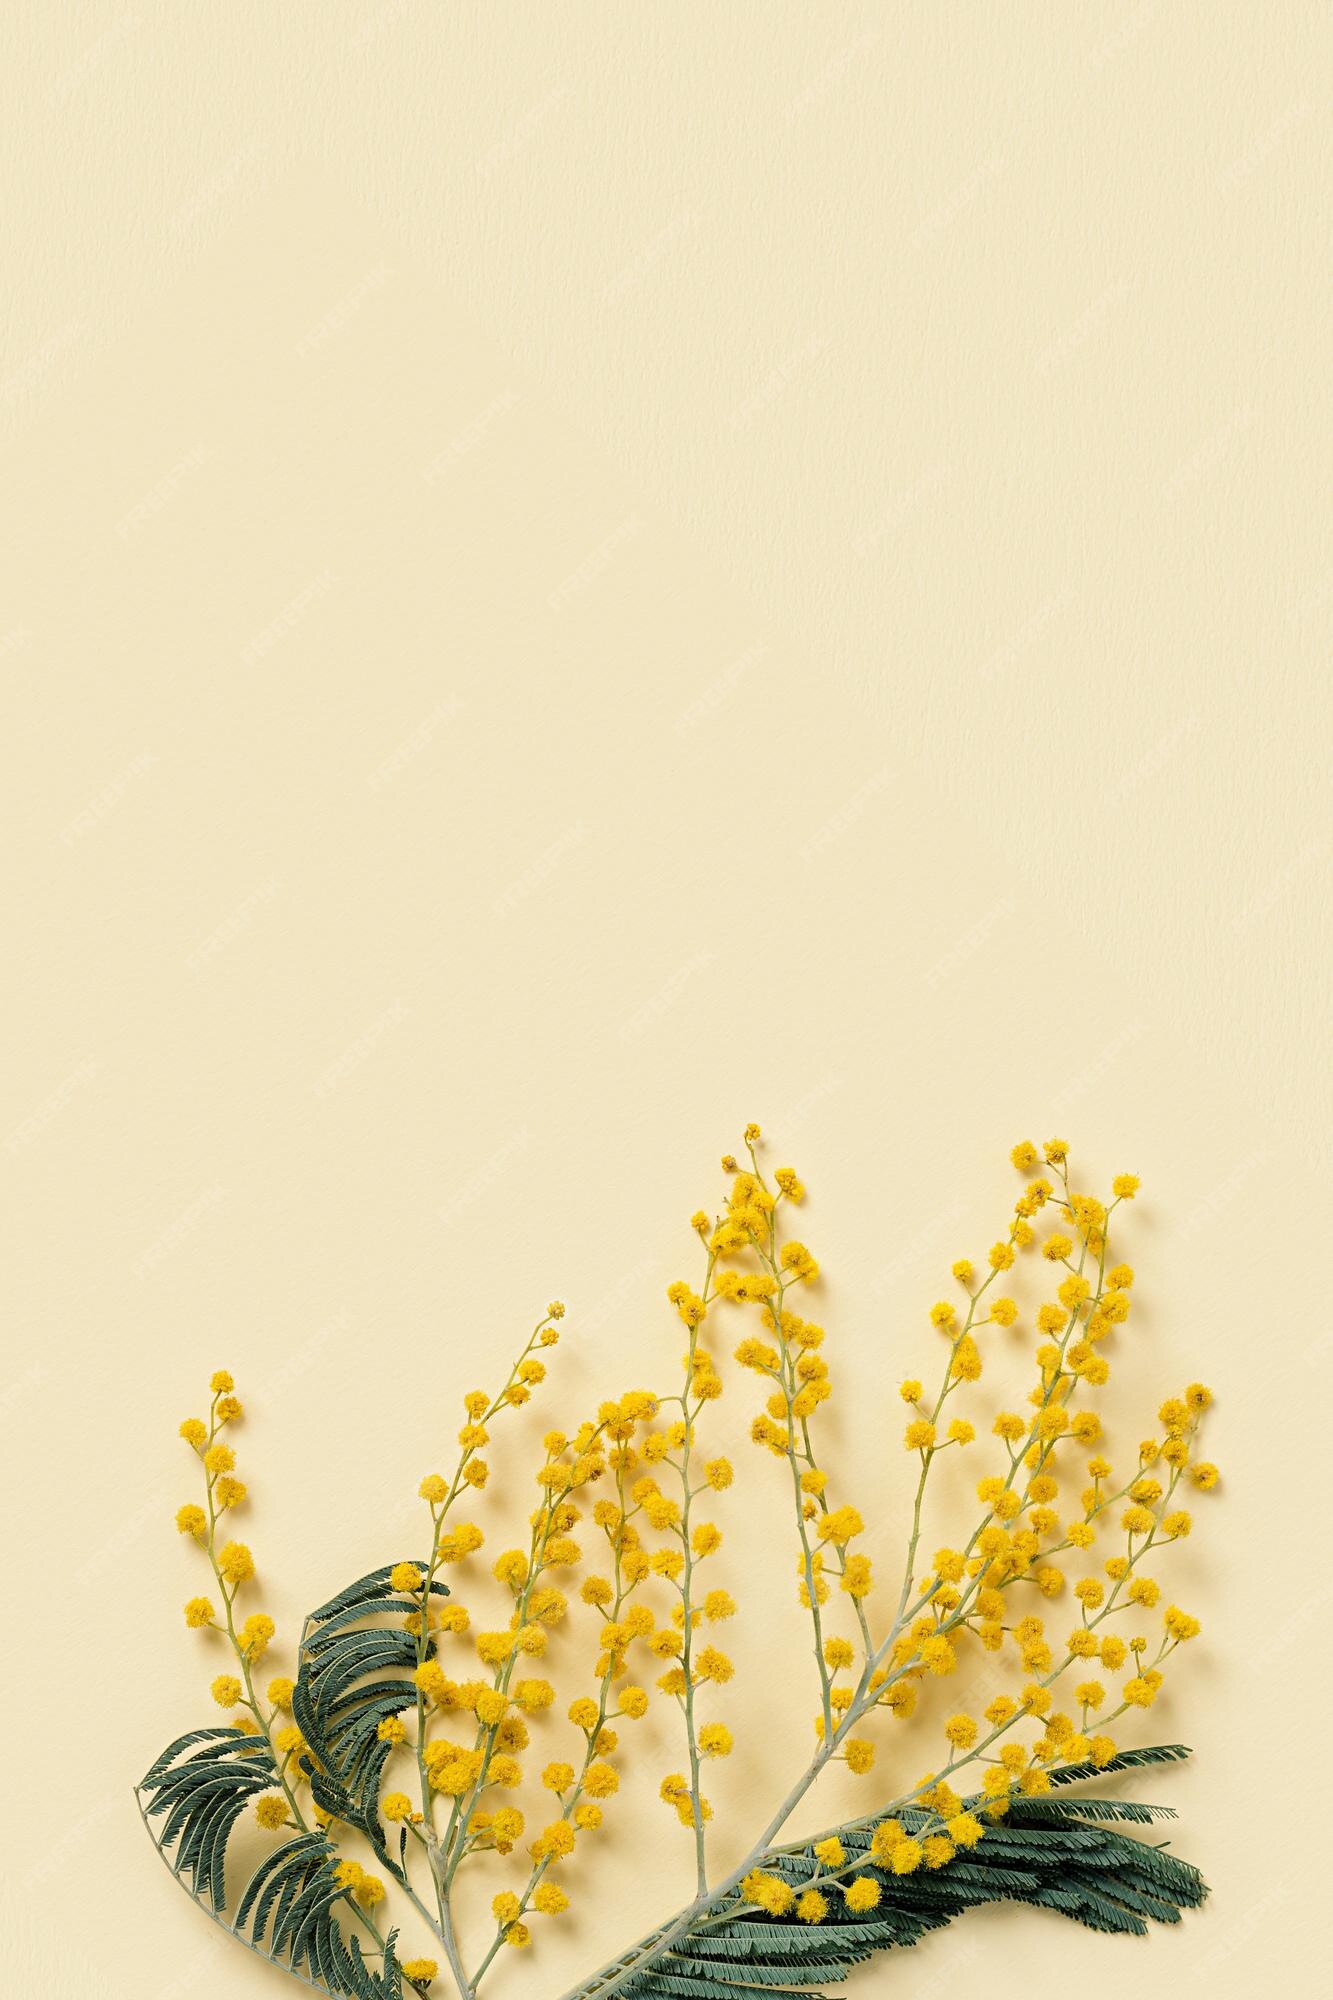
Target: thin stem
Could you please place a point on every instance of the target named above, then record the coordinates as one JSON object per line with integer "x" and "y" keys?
{"x": 689, "y": 1418}
{"x": 450, "y": 1941}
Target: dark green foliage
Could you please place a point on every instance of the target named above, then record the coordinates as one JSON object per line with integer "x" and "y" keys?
{"x": 354, "y": 1673}
{"x": 1056, "y": 1853}
{"x": 201, "y": 1796}
{"x": 1127, "y": 1760}
{"x": 288, "y": 1909}
{"x": 286, "y": 1912}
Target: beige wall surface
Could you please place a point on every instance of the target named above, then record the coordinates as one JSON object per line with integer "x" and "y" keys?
{"x": 578, "y": 575}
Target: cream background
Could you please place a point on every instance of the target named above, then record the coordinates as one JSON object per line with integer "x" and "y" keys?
{"x": 580, "y": 575}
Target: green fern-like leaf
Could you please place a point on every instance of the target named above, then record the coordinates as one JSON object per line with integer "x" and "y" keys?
{"x": 1055, "y": 1853}
{"x": 200, "y": 1796}
{"x": 198, "y": 1788}
{"x": 355, "y": 1672}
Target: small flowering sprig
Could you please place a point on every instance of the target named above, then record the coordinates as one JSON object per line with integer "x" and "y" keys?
{"x": 395, "y": 1693}
{"x": 694, "y": 1660}
{"x": 278, "y": 1752}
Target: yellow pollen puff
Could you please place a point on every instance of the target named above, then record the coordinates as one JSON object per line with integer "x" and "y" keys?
{"x": 255, "y": 1634}
{"x": 236, "y": 1562}
{"x": 857, "y": 1579}
{"x": 768, "y": 1892}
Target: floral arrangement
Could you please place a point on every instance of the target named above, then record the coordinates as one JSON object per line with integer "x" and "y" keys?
{"x": 401, "y": 1754}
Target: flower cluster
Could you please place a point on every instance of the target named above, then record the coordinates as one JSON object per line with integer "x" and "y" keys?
{"x": 1052, "y": 1585}
{"x": 1032, "y": 1538}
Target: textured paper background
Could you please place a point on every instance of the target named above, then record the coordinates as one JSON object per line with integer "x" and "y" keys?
{"x": 579, "y": 575}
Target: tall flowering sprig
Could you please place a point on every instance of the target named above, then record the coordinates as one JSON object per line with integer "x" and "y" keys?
{"x": 392, "y": 1676}
{"x": 452, "y": 1543}
{"x": 692, "y": 1660}
{"x": 791, "y": 1359}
